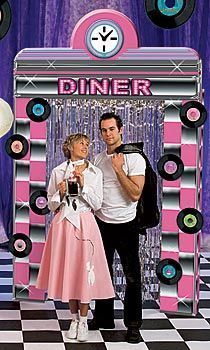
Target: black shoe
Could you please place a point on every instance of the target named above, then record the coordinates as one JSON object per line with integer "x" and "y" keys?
{"x": 133, "y": 335}
{"x": 93, "y": 325}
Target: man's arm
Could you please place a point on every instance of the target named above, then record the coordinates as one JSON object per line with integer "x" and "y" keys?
{"x": 132, "y": 185}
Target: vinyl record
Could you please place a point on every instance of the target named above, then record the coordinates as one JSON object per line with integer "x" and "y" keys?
{"x": 20, "y": 245}
{"x": 169, "y": 13}
{"x": 38, "y": 109}
{"x": 5, "y": 17}
{"x": 38, "y": 202}
{"x": 16, "y": 146}
{"x": 169, "y": 271}
{"x": 170, "y": 167}
{"x": 190, "y": 220}
{"x": 193, "y": 114}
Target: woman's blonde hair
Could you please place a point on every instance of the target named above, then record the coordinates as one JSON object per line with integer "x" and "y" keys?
{"x": 70, "y": 140}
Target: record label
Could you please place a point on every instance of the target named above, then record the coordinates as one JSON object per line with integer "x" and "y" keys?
{"x": 5, "y": 17}
{"x": 20, "y": 245}
{"x": 170, "y": 167}
{"x": 169, "y": 271}
{"x": 38, "y": 202}
{"x": 16, "y": 146}
{"x": 38, "y": 109}
{"x": 190, "y": 220}
{"x": 169, "y": 13}
{"x": 193, "y": 114}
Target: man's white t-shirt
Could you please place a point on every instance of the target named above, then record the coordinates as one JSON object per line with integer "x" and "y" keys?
{"x": 117, "y": 207}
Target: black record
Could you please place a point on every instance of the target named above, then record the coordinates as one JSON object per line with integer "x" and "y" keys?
{"x": 174, "y": 164}
{"x": 38, "y": 202}
{"x": 169, "y": 13}
{"x": 190, "y": 220}
{"x": 38, "y": 109}
{"x": 5, "y": 17}
{"x": 16, "y": 146}
{"x": 193, "y": 114}
{"x": 20, "y": 245}
{"x": 169, "y": 271}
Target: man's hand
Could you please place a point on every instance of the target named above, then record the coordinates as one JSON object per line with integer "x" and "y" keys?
{"x": 117, "y": 162}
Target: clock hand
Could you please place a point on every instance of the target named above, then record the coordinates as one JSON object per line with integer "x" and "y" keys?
{"x": 106, "y": 36}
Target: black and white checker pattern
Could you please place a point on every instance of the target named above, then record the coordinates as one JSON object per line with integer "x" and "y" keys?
{"x": 29, "y": 325}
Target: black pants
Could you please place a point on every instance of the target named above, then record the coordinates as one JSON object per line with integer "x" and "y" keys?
{"x": 125, "y": 239}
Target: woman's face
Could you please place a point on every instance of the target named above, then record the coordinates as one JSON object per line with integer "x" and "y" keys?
{"x": 79, "y": 149}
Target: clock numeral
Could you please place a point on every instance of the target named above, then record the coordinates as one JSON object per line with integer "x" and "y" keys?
{"x": 94, "y": 38}
{"x": 115, "y": 38}
{"x": 104, "y": 29}
{"x": 104, "y": 49}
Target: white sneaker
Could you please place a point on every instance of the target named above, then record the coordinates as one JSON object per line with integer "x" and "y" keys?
{"x": 73, "y": 330}
{"x": 82, "y": 334}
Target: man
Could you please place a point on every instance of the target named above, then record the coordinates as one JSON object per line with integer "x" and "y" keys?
{"x": 123, "y": 184}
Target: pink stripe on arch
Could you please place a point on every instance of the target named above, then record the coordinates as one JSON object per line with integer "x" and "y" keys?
{"x": 106, "y": 73}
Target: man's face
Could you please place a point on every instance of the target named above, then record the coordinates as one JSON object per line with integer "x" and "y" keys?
{"x": 110, "y": 132}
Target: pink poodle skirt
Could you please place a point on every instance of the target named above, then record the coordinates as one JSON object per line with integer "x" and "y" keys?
{"x": 73, "y": 264}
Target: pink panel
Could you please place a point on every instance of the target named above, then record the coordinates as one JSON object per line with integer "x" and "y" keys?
{"x": 172, "y": 132}
{"x": 186, "y": 287}
{"x": 38, "y": 130}
{"x": 188, "y": 154}
{"x": 168, "y": 304}
{"x": 36, "y": 219}
{"x": 21, "y": 227}
{"x": 27, "y": 156}
{"x": 22, "y": 191}
{"x": 169, "y": 220}
{"x": 186, "y": 242}
{"x": 36, "y": 253}
{"x": 20, "y": 107}
{"x": 36, "y": 294}
{"x": 175, "y": 183}
{"x": 187, "y": 198}
{"x": 170, "y": 255}
{"x": 21, "y": 273}
{"x": 37, "y": 171}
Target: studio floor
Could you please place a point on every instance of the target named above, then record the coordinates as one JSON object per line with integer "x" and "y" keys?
{"x": 35, "y": 326}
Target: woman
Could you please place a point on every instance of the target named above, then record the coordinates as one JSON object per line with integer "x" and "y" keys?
{"x": 73, "y": 266}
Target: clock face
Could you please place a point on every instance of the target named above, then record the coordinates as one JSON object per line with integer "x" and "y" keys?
{"x": 104, "y": 39}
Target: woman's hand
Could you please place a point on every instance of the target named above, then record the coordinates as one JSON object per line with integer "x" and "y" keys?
{"x": 79, "y": 176}
{"x": 62, "y": 188}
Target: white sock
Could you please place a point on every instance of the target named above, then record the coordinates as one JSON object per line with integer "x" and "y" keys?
{"x": 83, "y": 319}
{"x": 75, "y": 316}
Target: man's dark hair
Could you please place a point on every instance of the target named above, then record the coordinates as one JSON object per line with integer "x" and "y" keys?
{"x": 111, "y": 115}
